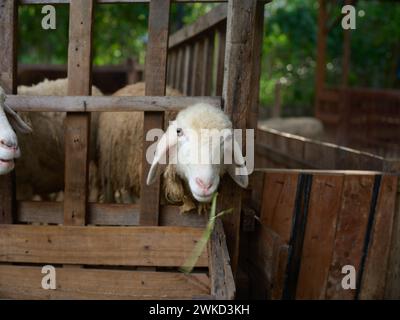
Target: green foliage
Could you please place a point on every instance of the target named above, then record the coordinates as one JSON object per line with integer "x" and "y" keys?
{"x": 289, "y": 45}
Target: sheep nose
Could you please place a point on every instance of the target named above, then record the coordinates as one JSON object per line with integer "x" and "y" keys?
{"x": 203, "y": 185}
{"x": 9, "y": 144}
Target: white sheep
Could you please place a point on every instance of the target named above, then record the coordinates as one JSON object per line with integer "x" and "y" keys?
{"x": 185, "y": 182}
{"x": 40, "y": 171}
{"x": 9, "y": 148}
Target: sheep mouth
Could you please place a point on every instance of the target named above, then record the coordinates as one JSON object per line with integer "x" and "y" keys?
{"x": 202, "y": 198}
{"x": 6, "y": 162}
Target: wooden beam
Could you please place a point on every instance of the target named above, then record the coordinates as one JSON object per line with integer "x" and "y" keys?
{"x": 105, "y": 104}
{"x": 202, "y": 24}
{"x": 221, "y": 36}
{"x": 392, "y": 289}
{"x": 77, "y": 126}
{"x": 104, "y": 214}
{"x": 374, "y": 280}
{"x": 116, "y": 246}
{"x": 21, "y": 282}
{"x": 350, "y": 235}
{"x": 237, "y": 95}
{"x": 156, "y": 71}
{"x": 222, "y": 282}
{"x": 8, "y": 81}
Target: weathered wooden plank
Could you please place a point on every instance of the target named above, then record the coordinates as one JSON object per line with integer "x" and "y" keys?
{"x": 392, "y": 290}
{"x": 277, "y": 212}
{"x": 179, "y": 70}
{"x": 105, "y": 214}
{"x": 156, "y": 71}
{"x": 237, "y": 97}
{"x": 77, "y": 126}
{"x": 8, "y": 81}
{"x": 23, "y": 282}
{"x": 222, "y": 282}
{"x": 129, "y": 246}
{"x": 187, "y": 69}
{"x": 350, "y": 232}
{"x": 198, "y": 62}
{"x": 325, "y": 202}
{"x": 208, "y": 65}
{"x": 221, "y": 36}
{"x": 201, "y": 25}
{"x": 105, "y": 104}
{"x": 373, "y": 282}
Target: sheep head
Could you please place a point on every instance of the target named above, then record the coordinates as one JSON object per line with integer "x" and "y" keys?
{"x": 200, "y": 143}
{"x": 9, "y": 149}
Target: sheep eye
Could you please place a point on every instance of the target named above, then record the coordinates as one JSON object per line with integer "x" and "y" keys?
{"x": 179, "y": 132}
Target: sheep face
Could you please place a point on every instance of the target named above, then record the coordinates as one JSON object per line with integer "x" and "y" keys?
{"x": 9, "y": 149}
{"x": 201, "y": 146}
{"x": 8, "y": 145}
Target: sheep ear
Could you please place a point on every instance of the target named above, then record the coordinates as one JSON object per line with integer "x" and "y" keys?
{"x": 237, "y": 170}
{"x": 16, "y": 121}
{"x": 168, "y": 140}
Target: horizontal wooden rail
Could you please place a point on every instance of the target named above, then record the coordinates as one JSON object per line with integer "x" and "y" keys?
{"x": 21, "y": 282}
{"x": 104, "y": 104}
{"x": 117, "y": 246}
{"x": 291, "y": 151}
{"x": 204, "y": 23}
{"x": 104, "y": 214}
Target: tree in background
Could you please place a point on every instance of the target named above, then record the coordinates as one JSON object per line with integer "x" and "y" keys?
{"x": 289, "y": 48}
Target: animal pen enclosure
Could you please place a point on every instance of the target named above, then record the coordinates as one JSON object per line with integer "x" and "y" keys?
{"x": 290, "y": 233}
{"x": 97, "y": 238}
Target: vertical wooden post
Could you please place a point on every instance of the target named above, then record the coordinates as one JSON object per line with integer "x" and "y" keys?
{"x": 156, "y": 71}
{"x": 179, "y": 66}
{"x": 172, "y": 70}
{"x": 187, "y": 69}
{"x": 8, "y": 81}
{"x": 198, "y": 68}
{"x": 221, "y": 34}
{"x": 321, "y": 52}
{"x": 237, "y": 95}
{"x": 77, "y": 125}
{"x": 208, "y": 57}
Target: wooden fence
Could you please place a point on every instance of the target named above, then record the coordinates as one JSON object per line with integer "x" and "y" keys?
{"x": 364, "y": 119}
{"x": 314, "y": 223}
{"x": 148, "y": 245}
{"x": 107, "y": 78}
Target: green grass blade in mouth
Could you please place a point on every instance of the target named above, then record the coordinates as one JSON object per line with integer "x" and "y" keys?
{"x": 201, "y": 244}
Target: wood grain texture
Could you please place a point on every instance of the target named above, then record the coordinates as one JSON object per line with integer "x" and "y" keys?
{"x": 350, "y": 232}
{"x": 8, "y": 81}
{"x": 208, "y": 21}
{"x": 22, "y": 282}
{"x": 221, "y": 36}
{"x": 237, "y": 100}
{"x": 376, "y": 265}
{"x": 325, "y": 202}
{"x": 105, "y": 214}
{"x": 198, "y": 67}
{"x": 124, "y": 246}
{"x": 105, "y": 104}
{"x": 156, "y": 72}
{"x": 392, "y": 290}
{"x": 208, "y": 65}
{"x": 222, "y": 281}
{"x": 77, "y": 126}
{"x": 277, "y": 212}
